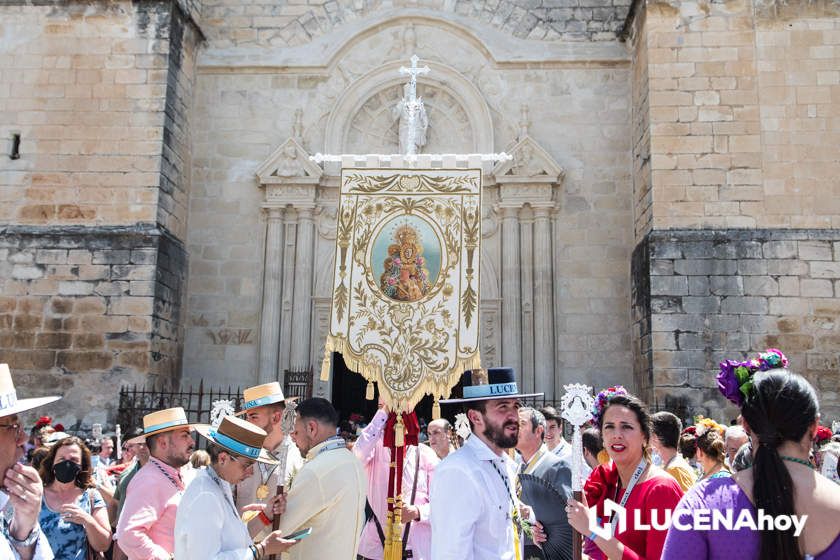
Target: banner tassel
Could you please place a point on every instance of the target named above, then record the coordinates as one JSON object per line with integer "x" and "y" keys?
{"x": 399, "y": 432}
{"x": 369, "y": 391}
{"x": 436, "y": 410}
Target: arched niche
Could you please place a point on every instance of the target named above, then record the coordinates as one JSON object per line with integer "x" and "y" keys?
{"x": 386, "y": 78}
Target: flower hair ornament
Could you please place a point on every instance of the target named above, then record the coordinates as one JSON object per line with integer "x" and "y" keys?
{"x": 603, "y": 399}
{"x": 703, "y": 425}
{"x": 735, "y": 379}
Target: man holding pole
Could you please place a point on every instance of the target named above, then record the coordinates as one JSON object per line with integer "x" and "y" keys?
{"x": 373, "y": 451}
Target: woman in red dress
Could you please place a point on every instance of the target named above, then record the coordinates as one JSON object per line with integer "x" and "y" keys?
{"x": 630, "y": 479}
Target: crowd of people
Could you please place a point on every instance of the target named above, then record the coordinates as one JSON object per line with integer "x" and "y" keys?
{"x": 497, "y": 486}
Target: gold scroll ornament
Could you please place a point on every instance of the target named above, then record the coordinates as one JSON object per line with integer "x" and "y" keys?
{"x": 406, "y": 285}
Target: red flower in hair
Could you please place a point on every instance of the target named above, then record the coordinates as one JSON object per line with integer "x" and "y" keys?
{"x": 59, "y": 427}
{"x": 823, "y": 434}
{"x": 690, "y": 430}
{"x": 43, "y": 421}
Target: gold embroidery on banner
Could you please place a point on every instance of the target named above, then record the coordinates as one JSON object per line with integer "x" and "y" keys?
{"x": 405, "y": 298}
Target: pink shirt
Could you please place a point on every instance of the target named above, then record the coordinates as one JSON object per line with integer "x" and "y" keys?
{"x": 376, "y": 459}
{"x": 146, "y": 528}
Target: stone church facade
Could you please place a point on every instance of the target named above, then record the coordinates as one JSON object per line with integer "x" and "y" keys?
{"x": 672, "y": 199}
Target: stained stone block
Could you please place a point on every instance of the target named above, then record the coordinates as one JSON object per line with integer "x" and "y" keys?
{"x": 746, "y": 304}
{"x": 780, "y": 249}
{"x": 701, "y": 305}
{"x": 669, "y": 285}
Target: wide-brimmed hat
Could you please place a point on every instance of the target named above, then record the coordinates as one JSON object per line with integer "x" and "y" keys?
{"x": 261, "y": 395}
{"x": 9, "y": 403}
{"x": 489, "y": 384}
{"x": 239, "y": 437}
{"x": 164, "y": 421}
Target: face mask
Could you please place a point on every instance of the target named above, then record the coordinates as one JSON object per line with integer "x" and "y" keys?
{"x": 656, "y": 458}
{"x": 66, "y": 471}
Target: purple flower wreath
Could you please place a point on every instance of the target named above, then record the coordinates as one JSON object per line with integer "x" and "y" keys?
{"x": 603, "y": 400}
{"x": 736, "y": 378}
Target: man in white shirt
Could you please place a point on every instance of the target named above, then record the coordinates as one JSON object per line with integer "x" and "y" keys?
{"x": 20, "y": 499}
{"x": 475, "y": 510}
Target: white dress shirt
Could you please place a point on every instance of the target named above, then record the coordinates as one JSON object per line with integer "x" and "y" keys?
{"x": 471, "y": 507}
{"x": 207, "y": 525}
{"x": 7, "y": 551}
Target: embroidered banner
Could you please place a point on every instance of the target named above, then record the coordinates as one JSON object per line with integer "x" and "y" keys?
{"x": 406, "y": 286}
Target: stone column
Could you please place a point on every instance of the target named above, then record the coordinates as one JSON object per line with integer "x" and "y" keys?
{"x": 272, "y": 286}
{"x": 543, "y": 308}
{"x": 302, "y": 307}
{"x": 511, "y": 331}
{"x": 526, "y": 289}
{"x": 289, "y": 244}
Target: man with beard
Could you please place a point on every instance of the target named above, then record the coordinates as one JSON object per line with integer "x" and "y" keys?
{"x": 146, "y": 528}
{"x": 475, "y": 510}
{"x": 20, "y": 498}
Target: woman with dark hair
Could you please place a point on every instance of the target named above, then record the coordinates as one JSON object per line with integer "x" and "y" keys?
{"x": 73, "y": 515}
{"x": 630, "y": 480}
{"x": 781, "y": 415}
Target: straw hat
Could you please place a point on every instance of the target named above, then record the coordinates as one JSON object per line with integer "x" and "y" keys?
{"x": 239, "y": 437}
{"x": 9, "y": 403}
{"x": 489, "y": 384}
{"x": 165, "y": 421}
{"x": 261, "y": 395}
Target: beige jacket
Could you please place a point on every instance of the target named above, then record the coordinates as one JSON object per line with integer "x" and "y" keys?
{"x": 327, "y": 494}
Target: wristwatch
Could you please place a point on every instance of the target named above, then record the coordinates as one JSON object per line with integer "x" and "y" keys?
{"x": 28, "y": 541}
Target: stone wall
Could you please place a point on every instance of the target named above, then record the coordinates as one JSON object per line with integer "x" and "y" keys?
{"x": 93, "y": 212}
{"x": 84, "y": 86}
{"x": 84, "y": 310}
{"x": 743, "y": 110}
{"x": 718, "y": 294}
{"x": 266, "y": 24}
{"x": 736, "y": 251}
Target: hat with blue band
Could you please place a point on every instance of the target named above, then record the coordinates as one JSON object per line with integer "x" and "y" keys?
{"x": 239, "y": 437}
{"x": 489, "y": 384}
{"x": 261, "y": 395}
{"x": 165, "y": 421}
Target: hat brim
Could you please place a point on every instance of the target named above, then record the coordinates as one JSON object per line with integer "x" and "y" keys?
{"x": 286, "y": 401}
{"x": 264, "y": 457}
{"x": 169, "y": 429}
{"x": 496, "y": 398}
{"x": 23, "y": 405}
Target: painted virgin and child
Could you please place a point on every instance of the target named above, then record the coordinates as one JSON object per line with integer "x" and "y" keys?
{"x": 405, "y": 276}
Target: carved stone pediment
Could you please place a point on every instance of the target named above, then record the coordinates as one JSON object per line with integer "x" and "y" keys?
{"x": 531, "y": 163}
{"x": 289, "y": 164}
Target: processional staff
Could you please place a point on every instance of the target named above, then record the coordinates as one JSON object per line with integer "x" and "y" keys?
{"x": 577, "y": 410}
{"x": 287, "y": 424}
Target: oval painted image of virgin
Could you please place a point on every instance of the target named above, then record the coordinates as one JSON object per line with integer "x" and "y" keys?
{"x": 406, "y": 258}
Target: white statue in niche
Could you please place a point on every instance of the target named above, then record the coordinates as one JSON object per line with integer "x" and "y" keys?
{"x": 525, "y": 164}
{"x": 421, "y": 122}
{"x": 290, "y": 165}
